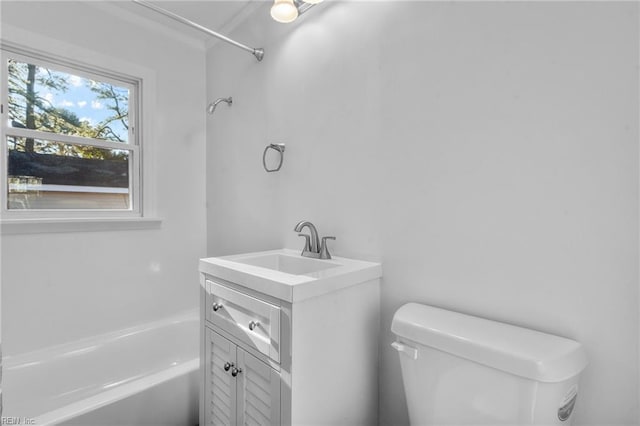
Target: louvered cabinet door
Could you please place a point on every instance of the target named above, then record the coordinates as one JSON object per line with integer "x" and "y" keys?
{"x": 258, "y": 392}
{"x": 220, "y": 386}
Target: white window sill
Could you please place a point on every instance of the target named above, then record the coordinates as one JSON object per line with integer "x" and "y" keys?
{"x": 39, "y": 226}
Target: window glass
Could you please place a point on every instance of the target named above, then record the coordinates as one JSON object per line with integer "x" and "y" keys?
{"x": 44, "y": 99}
{"x": 59, "y": 178}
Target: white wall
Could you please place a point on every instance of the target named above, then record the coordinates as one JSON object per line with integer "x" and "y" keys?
{"x": 58, "y": 287}
{"x": 486, "y": 153}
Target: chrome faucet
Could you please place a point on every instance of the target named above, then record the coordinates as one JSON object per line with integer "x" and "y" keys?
{"x": 313, "y": 247}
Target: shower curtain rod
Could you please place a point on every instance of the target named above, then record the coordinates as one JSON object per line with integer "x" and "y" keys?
{"x": 258, "y": 53}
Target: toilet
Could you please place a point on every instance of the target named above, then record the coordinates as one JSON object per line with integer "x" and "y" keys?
{"x": 463, "y": 370}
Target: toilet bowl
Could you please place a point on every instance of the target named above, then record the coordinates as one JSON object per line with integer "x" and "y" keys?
{"x": 463, "y": 370}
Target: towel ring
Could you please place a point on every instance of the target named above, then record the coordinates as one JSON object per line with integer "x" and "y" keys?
{"x": 277, "y": 147}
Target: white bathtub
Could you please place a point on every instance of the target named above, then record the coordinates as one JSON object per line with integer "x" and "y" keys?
{"x": 143, "y": 375}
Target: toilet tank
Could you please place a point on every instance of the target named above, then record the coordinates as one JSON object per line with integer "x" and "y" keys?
{"x": 463, "y": 370}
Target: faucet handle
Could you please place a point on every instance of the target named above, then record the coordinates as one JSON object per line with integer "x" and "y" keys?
{"x": 307, "y": 244}
{"x": 324, "y": 251}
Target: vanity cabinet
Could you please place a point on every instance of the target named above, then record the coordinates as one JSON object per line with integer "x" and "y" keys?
{"x": 271, "y": 355}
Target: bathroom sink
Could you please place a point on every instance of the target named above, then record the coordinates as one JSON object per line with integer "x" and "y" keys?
{"x": 286, "y": 275}
{"x": 291, "y": 264}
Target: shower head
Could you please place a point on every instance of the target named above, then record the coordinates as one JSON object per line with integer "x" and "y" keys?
{"x": 212, "y": 106}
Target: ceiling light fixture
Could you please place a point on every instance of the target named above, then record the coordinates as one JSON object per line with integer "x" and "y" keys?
{"x": 286, "y": 11}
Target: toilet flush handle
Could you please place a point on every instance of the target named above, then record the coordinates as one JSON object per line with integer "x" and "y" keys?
{"x": 405, "y": 349}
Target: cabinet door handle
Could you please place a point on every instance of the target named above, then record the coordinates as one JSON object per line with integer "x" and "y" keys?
{"x": 253, "y": 325}
{"x": 216, "y": 307}
{"x": 227, "y": 366}
{"x": 236, "y": 371}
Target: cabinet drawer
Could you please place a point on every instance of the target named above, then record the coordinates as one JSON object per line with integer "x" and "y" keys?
{"x": 253, "y": 321}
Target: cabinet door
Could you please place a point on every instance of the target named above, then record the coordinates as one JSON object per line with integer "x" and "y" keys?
{"x": 258, "y": 392}
{"x": 220, "y": 386}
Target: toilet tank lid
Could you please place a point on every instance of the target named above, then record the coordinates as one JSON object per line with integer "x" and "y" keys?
{"x": 516, "y": 350}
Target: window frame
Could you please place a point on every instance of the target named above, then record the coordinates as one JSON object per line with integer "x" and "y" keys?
{"x": 133, "y": 146}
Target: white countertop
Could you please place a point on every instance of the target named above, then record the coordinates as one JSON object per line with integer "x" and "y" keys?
{"x": 340, "y": 273}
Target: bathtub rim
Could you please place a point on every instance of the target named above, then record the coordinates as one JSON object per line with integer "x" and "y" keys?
{"x": 84, "y": 406}
{"x": 86, "y": 344}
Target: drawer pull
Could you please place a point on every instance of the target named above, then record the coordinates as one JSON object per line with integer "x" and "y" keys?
{"x": 216, "y": 307}
{"x": 236, "y": 371}
{"x": 227, "y": 366}
{"x": 253, "y": 325}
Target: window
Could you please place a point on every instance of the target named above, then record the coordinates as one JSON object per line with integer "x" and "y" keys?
{"x": 70, "y": 146}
